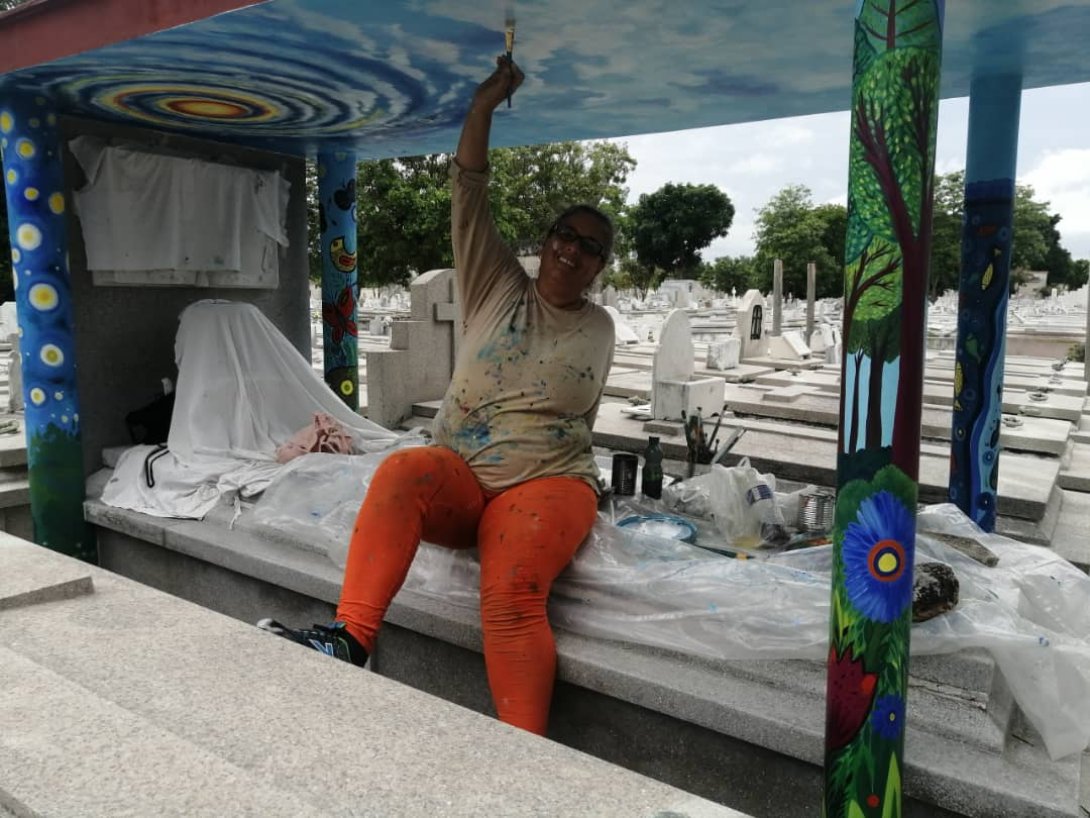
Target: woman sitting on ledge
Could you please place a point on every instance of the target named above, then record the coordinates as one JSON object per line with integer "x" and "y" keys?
{"x": 512, "y": 471}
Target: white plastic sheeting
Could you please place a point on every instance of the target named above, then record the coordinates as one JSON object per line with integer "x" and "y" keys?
{"x": 1031, "y": 611}
{"x": 242, "y": 390}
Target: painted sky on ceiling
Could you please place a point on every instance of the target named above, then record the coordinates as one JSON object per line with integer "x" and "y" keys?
{"x": 393, "y": 78}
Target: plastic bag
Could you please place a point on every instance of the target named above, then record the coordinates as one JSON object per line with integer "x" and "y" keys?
{"x": 1031, "y": 612}
{"x": 744, "y": 504}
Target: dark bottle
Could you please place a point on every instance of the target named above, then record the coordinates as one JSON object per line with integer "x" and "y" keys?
{"x": 652, "y": 469}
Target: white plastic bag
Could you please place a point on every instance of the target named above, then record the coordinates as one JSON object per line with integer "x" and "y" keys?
{"x": 744, "y": 504}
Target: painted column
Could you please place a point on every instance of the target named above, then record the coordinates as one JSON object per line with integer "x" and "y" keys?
{"x": 890, "y": 188}
{"x": 34, "y": 184}
{"x": 994, "y": 106}
{"x": 337, "y": 219}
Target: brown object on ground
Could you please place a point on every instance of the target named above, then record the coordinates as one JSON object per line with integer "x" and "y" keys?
{"x": 934, "y": 590}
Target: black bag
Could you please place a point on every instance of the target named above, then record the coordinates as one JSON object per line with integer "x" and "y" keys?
{"x": 151, "y": 424}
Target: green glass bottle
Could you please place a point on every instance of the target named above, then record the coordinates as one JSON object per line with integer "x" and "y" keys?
{"x": 652, "y": 469}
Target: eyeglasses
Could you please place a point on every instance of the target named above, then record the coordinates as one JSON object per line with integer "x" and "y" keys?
{"x": 587, "y": 244}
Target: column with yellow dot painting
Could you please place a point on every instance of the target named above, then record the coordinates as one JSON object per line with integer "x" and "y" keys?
{"x": 34, "y": 184}
{"x": 337, "y": 220}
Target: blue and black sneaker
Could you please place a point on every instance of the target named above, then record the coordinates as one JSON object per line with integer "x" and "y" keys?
{"x": 332, "y": 640}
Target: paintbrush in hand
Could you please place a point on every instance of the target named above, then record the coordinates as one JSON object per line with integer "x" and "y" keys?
{"x": 509, "y": 44}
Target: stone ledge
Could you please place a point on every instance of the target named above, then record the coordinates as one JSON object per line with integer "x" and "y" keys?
{"x": 957, "y": 754}
{"x": 25, "y": 580}
{"x": 134, "y": 702}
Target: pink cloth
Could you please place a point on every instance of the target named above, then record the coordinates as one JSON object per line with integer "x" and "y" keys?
{"x": 323, "y": 434}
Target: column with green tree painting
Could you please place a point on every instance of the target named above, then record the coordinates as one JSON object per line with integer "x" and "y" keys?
{"x": 898, "y": 47}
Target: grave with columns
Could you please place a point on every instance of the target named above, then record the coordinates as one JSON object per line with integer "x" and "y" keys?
{"x": 204, "y": 93}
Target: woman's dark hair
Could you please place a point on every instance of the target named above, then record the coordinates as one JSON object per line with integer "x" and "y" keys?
{"x": 590, "y": 210}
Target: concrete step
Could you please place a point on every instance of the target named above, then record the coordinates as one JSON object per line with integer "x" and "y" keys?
{"x": 129, "y": 701}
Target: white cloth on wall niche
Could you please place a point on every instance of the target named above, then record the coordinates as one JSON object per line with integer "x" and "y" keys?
{"x": 143, "y": 211}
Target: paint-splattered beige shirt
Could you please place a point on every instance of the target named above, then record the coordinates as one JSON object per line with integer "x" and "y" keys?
{"x": 529, "y": 376}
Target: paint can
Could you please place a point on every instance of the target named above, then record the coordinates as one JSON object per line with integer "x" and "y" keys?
{"x": 816, "y": 510}
{"x": 625, "y": 466}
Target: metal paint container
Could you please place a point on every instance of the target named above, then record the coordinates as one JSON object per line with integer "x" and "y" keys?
{"x": 816, "y": 510}
{"x": 625, "y": 466}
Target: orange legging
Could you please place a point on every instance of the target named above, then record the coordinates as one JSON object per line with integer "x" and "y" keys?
{"x": 525, "y": 536}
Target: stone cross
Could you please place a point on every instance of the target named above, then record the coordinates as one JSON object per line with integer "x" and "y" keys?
{"x": 420, "y": 361}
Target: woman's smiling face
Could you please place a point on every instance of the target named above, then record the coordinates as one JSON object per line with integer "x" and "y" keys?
{"x": 571, "y": 258}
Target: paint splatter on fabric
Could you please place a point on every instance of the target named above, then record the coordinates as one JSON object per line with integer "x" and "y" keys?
{"x": 529, "y": 376}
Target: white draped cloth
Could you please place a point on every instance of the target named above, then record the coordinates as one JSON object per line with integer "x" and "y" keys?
{"x": 243, "y": 389}
{"x": 144, "y": 211}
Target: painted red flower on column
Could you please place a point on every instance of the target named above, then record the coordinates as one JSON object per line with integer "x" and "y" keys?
{"x": 340, "y": 315}
{"x": 848, "y": 700}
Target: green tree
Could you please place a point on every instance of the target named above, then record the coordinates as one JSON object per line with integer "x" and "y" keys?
{"x": 1033, "y": 231}
{"x": 403, "y": 216}
{"x": 531, "y": 185}
{"x": 789, "y": 227}
{"x": 728, "y": 273}
{"x": 668, "y": 228}
{"x": 1035, "y": 241}
{"x": 1080, "y": 273}
{"x": 403, "y": 205}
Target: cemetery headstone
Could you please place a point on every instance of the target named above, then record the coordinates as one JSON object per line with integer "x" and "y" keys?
{"x": 674, "y": 390}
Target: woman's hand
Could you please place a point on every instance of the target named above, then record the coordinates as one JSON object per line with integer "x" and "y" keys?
{"x": 503, "y": 82}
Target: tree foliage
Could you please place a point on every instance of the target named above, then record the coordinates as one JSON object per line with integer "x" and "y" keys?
{"x": 1035, "y": 241}
{"x": 789, "y": 227}
{"x": 729, "y": 273}
{"x": 667, "y": 229}
{"x": 403, "y": 214}
{"x": 403, "y": 205}
{"x": 531, "y": 185}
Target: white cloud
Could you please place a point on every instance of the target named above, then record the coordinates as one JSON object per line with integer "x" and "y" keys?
{"x": 756, "y": 164}
{"x": 752, "y": 162}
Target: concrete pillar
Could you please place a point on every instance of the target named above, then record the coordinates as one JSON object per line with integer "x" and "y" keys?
{"x": 811, "y": 297}
{"x": 1086, "y": 344}
{"x": 777, "y": 296}
{"x": 37, "y": 224}
{"x": 340, "y": 336}
{"x": 983, "y": 293}
{"x": 898, "y": 46}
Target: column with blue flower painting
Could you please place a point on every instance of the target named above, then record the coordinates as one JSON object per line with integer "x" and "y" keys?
{"x": 337, "y": 221}
{"x": 890, "y": 186}
{"x": 34, "y": 185}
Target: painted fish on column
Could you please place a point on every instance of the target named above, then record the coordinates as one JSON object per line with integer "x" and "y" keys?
{"x": 337, "y": 220}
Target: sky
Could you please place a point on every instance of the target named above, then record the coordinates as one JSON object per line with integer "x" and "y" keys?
{"x": 754, "y": 161}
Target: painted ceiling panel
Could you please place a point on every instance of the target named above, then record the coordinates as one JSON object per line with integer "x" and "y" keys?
{"x": 393, "y": 77}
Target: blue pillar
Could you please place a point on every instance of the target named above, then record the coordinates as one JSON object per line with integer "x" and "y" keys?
{"x": 337, "y": 219}
{"x": 34, "y": 184}
{"x": 994, "y": 105}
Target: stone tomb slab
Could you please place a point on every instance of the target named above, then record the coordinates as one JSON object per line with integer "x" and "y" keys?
{"x": 743, "y": 373}
{"x": 630, "y": 383}
{"x": 807, "y": 454}
{"x": 1075, "y": 472}
{"x": 806, "y": 404}
{"x": 134, "y": 702}
{"x": 28, "y": 580}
